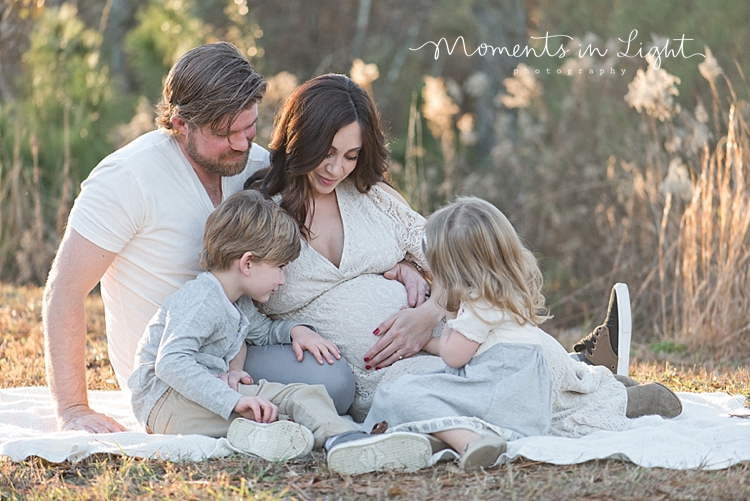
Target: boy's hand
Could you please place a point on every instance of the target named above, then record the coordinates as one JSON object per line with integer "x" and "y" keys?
{"x": 304, "y": 338}
{"x": 257, "y": 409}
{"x": 234, "y": 377}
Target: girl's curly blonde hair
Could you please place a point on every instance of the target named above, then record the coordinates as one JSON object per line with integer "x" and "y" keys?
{"x": 475, "y": 255}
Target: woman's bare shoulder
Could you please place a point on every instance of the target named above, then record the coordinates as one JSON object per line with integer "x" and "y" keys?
{"x": 391, "y": 191}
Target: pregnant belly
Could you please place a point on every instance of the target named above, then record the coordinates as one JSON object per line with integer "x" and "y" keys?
{"x": 348, "y": 313}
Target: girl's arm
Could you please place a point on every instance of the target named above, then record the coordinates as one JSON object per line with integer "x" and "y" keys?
{"x": 433, "y": 346}
{"x": 456, "y": 349}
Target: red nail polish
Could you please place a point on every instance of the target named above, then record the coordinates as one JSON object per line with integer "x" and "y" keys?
{"x": 376, "y": 331}
{"x": 367, "y": 359}
{"x": 368, "y": 367}
{"x": 377, "y": 368}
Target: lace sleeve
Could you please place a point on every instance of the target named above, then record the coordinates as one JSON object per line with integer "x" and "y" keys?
{"x": 410, "y": 222}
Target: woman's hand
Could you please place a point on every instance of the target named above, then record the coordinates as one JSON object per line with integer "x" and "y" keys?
{"x": 417, "y": 288}
{"x": 304, "y": 338}
{"x": 235, "y": 377}
{"x": 403, "y": 334}
{"x": 257, "y": 409}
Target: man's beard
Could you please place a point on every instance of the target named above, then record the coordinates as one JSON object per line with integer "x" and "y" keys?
{"x": 220, "y": 165}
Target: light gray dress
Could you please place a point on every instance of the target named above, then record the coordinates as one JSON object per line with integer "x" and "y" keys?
{"x": 507, "y": 389}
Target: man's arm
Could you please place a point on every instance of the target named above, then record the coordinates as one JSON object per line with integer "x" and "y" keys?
{"x": 78, "y": 267}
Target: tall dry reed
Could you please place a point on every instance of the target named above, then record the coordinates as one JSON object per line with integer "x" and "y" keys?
{"x": 712, "y": 285}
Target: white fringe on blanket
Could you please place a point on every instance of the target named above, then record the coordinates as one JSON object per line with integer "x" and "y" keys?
{"x": 713, "y": 432}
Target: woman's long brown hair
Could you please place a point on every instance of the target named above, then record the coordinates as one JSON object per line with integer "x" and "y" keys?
{"x": 302, "y": 136}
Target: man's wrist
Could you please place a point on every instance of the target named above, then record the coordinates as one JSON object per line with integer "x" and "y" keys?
{"x": 410, "y": 260}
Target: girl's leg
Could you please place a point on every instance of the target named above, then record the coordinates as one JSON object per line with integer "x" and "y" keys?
{"x": 278, "y": 363}
{"x": 459, "y": 439}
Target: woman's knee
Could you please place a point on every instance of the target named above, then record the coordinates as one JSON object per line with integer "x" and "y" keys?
{"x": 279, "y": 363}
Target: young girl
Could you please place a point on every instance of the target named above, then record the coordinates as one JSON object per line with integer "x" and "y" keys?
{"x": 506, "y": 378}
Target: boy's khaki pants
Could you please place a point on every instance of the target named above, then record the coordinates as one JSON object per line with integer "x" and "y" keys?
{"x": 308, "y": 405}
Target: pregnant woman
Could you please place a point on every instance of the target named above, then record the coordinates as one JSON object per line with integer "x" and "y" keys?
{"x": 328, "y": 160}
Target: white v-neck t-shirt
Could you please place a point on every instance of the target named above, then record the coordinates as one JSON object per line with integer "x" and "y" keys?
{"x": 146, "y": 203}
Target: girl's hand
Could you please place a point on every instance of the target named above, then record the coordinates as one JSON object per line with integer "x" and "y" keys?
{"x": 403, "y": 334}
{"x": 235, "y": 377}
{"x": 304, "y": 338}
{"x": 257, "y": 409}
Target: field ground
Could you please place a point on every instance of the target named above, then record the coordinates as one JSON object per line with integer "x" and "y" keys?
{"x": 103, "y": 477}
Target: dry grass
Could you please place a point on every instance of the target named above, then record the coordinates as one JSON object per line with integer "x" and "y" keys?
{"x": 114, "y": 477}
{"x": 713, "y": 276}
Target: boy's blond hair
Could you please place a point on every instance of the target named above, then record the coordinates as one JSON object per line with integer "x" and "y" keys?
{"x": 475, "y": 255}
{"x": 248, "y": 222}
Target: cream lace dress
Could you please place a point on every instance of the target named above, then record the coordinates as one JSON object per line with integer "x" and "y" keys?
{"x": 347, "y": 303}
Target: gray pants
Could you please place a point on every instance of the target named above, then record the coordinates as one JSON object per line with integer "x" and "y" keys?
{"x": 279, "y": 364}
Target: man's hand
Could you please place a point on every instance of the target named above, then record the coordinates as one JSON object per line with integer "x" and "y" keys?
{"x": 304, "y": 338}
{"x": 257, "y": 409}
{"x": 235, "y": 377}
{"x": 416, "y": 286}
{"x": 403, "y": 334}
{"x": 82, "y": 417}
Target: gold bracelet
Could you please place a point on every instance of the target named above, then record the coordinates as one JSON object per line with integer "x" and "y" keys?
{"x": 415, "y": 264}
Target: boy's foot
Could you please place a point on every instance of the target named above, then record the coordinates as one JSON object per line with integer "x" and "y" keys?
{"x": 357, "y": 452}
{"x": 277, "y": 441}
{"x": 483, "y": 453}
{"x": 609, "y": 343}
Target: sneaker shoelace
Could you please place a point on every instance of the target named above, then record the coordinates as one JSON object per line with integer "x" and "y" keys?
{"x": 589, "y": 342}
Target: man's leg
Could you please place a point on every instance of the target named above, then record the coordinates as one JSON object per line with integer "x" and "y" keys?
{"x": 278, "y": 363}
{"x": 609, "y": 343}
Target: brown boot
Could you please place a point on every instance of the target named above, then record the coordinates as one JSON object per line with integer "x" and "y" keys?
{"x": 609, "y": 343}
{"x": 652, "y": 398}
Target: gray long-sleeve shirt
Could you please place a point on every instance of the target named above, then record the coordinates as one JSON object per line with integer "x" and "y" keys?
{"x": 191, "y": 339}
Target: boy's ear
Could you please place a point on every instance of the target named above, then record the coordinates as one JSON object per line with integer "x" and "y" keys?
{"x": 246, "y": 262}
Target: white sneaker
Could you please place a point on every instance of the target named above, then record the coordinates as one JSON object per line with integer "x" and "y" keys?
{"x": 360, "y": 453}
{"x": 277, "y": 441}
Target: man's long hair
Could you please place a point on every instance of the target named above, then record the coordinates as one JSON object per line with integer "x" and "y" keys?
{"x": 209, "y": 85}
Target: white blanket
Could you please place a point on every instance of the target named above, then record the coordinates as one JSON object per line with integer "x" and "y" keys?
{"x": 28, "y": 427}
{"x": 713, "y": 432}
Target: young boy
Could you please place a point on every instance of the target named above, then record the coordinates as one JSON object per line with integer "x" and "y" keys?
{"x": 188, "y": 375}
